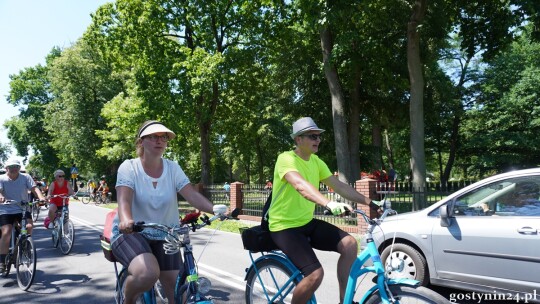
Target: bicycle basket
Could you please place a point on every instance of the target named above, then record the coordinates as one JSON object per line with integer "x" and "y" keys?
{"x": 107, "y": 249}
{"x": 256, "y": 239}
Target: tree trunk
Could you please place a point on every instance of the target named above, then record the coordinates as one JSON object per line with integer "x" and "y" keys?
{"x": 204, "y": 132}
{"x": 338, "y": 112}
{"x": 376, "y": 139}
{"x": 416, "y": 110}
{"x": 354, "y": 128}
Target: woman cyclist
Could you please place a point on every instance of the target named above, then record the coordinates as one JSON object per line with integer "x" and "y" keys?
{"x": 147, "y": 189}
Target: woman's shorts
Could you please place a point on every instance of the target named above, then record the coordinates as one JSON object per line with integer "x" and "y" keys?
{"x": 128, "y": 246}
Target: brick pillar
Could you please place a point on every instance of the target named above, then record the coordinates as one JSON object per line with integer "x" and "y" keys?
{"x": 368, "y": 188}
{"x": 236, "y": 196}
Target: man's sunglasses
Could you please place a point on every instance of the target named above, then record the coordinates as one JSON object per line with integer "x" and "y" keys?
{"x": 313, "y": 136}
{"x": 61, "y": 176}
{"x": 13, "y": 167}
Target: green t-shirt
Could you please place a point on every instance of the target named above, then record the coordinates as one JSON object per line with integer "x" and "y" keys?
{"x": 289, "y": 209}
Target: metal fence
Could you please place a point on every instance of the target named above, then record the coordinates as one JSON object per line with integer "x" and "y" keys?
{"x": 402, "y": 195}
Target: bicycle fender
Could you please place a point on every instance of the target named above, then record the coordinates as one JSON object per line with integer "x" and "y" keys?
{"x": 279, "y": 258}
{"x": 401, "y": 281}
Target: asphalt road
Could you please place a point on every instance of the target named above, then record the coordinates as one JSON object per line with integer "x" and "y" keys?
{"x": 85, "y": 276}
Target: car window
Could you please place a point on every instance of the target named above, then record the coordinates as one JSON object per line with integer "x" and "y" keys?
{"x": 510, "y": 197}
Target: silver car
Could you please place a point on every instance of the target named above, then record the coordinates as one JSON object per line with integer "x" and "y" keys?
{"x": 483, "y": 238}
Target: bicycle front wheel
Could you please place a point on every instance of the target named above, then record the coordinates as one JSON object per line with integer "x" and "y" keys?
{"x": 409, "y": 295}
{"x": 26, "y": 263}
{"x": 85, "y": 199}
{"x": 68, "y": 237}
{"x": 147, "y": 298}
{"x": 270, "y": 283}
{"x": 56, "y": 234}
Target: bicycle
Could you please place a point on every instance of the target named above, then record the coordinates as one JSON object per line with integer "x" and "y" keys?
{"x": 98, "y": 198}
{"x": 102, "y": 199}
{"x": 36, "y": 207}
{"x": 272, "y": 277}
{"x": 63, "y": 232}
{"x": 89, "y": 197}
{"x": 22, "y": 253}
{"x": 190, "y": 288}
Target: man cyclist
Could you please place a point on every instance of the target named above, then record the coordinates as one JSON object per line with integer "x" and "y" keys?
{"x": 103, "y": 187}
{"x": 297, "y": 175}
{"x": 14, "y": 185}
{"x": 91, "y": 186}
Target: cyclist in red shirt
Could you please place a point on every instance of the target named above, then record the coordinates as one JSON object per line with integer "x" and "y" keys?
{"x": 59, "y": 187}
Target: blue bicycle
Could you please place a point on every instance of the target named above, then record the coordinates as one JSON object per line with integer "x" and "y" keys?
{"x": 190, "y": 288}
{"x": 272, "y": 277}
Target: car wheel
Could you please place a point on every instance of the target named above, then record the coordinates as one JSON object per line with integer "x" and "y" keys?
{"x": 405, "y": 262}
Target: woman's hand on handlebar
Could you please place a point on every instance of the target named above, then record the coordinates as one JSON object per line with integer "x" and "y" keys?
{"x": 126, "y": 226}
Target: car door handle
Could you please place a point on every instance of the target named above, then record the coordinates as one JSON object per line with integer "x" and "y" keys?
{"x": 527, "y": 230}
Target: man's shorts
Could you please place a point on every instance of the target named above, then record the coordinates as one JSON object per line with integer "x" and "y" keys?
{"x": 9, "y": 219}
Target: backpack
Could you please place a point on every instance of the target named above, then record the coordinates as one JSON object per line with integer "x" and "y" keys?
{"x": 106, "y": 236}
{"x": 265, "y": 215}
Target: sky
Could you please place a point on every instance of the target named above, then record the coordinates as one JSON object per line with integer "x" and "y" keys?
{"x": 29, "y": 29}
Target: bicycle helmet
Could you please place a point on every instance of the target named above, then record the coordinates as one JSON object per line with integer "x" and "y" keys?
{"x": 103, "y": 177}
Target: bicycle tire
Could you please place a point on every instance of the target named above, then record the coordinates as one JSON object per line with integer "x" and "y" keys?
{"x": 98, "y": 200}
{"x": 7, "y": 263}
{"x": 120, "y": 285}
{"x": 85, "y": 199}
{"x": 67, "y": 238}
{"x": 409, "y": 294}
{"x": 274, "y": 275}
{"x": 56, "y": 234}
{"x": 160, "y": 293}
{"x": 26, "y": 263}
{"x": 35, "y": 211}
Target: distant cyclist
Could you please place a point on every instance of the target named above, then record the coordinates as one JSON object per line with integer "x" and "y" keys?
{"x": 295, "y": 194}
{"x": 103, "y": 188}
{"x": 14, "y": 186}
{"x": 59, "y": 187}
{"x": 91, "y": 186}
{"x": 147, "y": 189}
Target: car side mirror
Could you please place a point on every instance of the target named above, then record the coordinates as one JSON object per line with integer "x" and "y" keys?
{"x": 444, "y": 213}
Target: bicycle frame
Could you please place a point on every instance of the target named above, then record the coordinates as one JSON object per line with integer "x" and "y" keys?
{"x": 357, "y": 270}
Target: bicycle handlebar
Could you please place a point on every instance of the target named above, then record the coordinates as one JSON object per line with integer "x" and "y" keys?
{"x": 173, "y": 243}
{"x": 14, "y": 202}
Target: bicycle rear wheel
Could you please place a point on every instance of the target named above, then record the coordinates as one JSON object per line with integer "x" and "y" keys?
{"x": 67, "y": 237}
{"x": 7, "y": 263}
{"x": 35, "y": 211}
{"x": 148, "y": 298}
{"x": 26, "y": 263}
{"x": 272, "y": 278}
{"x": 409, "y": 295}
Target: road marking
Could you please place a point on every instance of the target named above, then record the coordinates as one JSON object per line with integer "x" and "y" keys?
{"x": 224, "y": 277}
